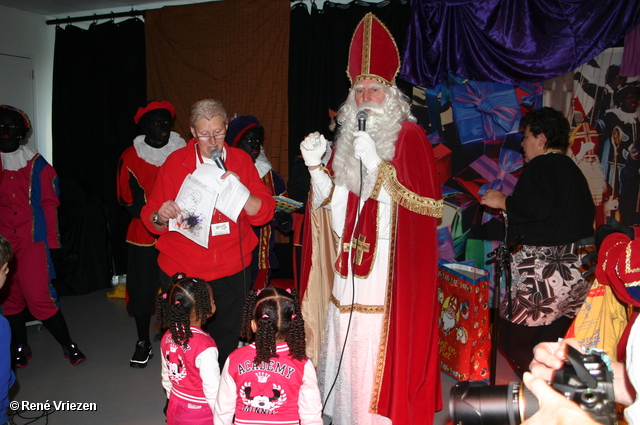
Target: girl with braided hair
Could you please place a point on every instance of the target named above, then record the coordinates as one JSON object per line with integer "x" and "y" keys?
{"x": 271, "y": 379}
{"x": 190, "y": 370}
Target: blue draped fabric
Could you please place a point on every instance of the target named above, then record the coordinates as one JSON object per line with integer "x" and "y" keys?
{"x": 510, "y": 41}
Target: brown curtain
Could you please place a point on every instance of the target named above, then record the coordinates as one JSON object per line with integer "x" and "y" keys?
{"x": 235, "y": 51}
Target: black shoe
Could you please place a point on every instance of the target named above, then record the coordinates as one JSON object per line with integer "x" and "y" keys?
{"x": 142, "y": 355}
{"x": 73, "y": 353}
{"x": 21, "y": 356}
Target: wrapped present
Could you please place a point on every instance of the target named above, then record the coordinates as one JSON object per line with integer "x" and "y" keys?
{"x": 499, "y": 175}
{"x": 445, "y": 244}
{"x": 499, "y": 169}
{"x": 478, "y": 250}
{"x": 484, "y": 111}
{"x": 460, "y": 224}
{"x": 464, "y": 336}
{"x": 438, "y": 99}
{"x": 529, "y": 97}
{"x": 443, "y": 162}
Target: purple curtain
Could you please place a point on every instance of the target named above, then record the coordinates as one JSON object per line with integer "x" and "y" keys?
{"x": 510, "y": 41}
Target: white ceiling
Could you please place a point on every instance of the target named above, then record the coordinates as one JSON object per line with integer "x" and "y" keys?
{"x": 74, "y": 8}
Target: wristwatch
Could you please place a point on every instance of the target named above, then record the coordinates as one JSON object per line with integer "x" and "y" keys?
{"x": 155, "y": 219}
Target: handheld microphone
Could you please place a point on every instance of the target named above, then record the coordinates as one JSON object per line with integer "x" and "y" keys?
{"x": 362, "y": 116}
{"x": 216, "y": 156}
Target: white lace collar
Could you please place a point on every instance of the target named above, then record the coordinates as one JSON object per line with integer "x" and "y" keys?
{"x": 157, "y": 156}
{"x": 262, "y": 164}
{"x": 13, "y": 161}
{"x": 626, "y": 117}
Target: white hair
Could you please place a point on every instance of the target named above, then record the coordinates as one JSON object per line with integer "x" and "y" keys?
{"x": 383, "y": 125}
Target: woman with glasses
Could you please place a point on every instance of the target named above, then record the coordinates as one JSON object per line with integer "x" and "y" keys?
{"x": 226, "y": 262}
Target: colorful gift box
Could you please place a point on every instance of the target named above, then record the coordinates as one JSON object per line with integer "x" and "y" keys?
{"x": 498, "y": 169}
{"x": 529, "y": 97}
{"x": 478, "y": 250}
{"x": 484, "y": 111}
{"x": 438, "y": 101}
{"x": 463, "y": 325}
{"x": 443, "y": 162}
{"x": 445, "y": 244}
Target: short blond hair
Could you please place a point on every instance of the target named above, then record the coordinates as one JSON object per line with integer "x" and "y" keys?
{"x": 206, "y": 108}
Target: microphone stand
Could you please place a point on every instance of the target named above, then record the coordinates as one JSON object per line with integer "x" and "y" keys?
{"x": 501, "y": 256}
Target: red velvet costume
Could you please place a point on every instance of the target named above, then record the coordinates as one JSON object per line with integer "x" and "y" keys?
{"x": 410, "y": 391}
{"x": 135, "y": 181}
{"x": 407, "y": 380}
{"x": 137, "y": 171}
{"x": 28, "y": 207}
{"x": 225, "y": 255}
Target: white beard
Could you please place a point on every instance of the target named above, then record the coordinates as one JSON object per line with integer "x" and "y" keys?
{"x": 448, "y": 322}
{"x": 595, "y": 179}
{"x": 382, "y": 126}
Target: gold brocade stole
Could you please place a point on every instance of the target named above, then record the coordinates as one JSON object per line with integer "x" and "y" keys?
{"x": 361, "y": 247}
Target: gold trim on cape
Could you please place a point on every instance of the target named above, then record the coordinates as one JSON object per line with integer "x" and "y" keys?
{"x": 388, "y": 178}
{"x": 359, "y": 308}
{"x": 330, "y": 197}
{"x": 628, "y": 268}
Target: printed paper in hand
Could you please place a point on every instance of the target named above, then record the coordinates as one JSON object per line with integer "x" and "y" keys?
{"x": 197, "y": 201}
{"x": 287, "y": 204}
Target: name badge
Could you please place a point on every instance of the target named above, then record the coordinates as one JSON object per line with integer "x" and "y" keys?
{"x": 218, "y": 229}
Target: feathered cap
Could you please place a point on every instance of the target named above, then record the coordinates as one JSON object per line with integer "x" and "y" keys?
{"x": 373, "y": 53}
{"x": 238, "y": 126}
{"x": 24, "y": 116}
{"x": 619, "y": 267}
{"x": 154, "y": 105}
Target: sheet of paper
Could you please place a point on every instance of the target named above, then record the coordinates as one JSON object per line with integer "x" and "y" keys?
{"x": 232, "y": 194}
{"x": 232, "y": 197}
{"x": 287, "y": 204}
{"x": 196, "y": 200}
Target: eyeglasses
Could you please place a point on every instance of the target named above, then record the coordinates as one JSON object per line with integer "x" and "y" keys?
{"x": 215, "y": 136}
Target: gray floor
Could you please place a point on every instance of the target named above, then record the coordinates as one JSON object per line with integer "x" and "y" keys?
{"x": 121, "y": 395}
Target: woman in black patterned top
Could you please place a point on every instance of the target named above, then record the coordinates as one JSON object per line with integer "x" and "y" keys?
{"x": 551, "y": 209}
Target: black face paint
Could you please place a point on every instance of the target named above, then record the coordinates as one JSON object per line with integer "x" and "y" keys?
{"x": 251, "y": 141}
{"x": 12, "y": 130}
{"x": 156, "y": 125}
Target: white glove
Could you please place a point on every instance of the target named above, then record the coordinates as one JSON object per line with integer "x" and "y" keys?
{"x": 584, "y": 148}
{"x": 365, "y": 150}
{"x": 313, "y": 148}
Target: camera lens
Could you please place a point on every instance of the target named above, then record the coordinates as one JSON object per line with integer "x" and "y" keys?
{"x": 475, "y": 403}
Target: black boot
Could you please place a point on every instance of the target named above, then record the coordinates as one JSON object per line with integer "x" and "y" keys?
{"x": 58, "y": 328}
{"x": 143, "y": 352}
{"x": 73, "y": 353}
{"x": 21, "y": 351}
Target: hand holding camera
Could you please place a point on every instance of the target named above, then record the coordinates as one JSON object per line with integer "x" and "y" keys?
{"x": 585, "y": 379}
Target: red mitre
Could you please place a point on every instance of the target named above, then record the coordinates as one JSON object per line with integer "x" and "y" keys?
{"x": 583, "y": 133}
{"x": 373, "y": 53}
{"x": 154, "y": 105}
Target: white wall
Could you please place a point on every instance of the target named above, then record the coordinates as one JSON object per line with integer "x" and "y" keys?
{"x": 28, "y": 34}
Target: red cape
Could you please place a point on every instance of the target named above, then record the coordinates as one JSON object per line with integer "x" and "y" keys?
{"x": 411, "y": 388}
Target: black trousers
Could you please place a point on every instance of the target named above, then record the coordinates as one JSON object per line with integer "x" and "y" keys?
{"x": 517, "y": 341}
{"x": 142, "y": 281}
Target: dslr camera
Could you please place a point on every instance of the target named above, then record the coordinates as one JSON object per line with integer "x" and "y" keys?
{"x": 585, "y": 379}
